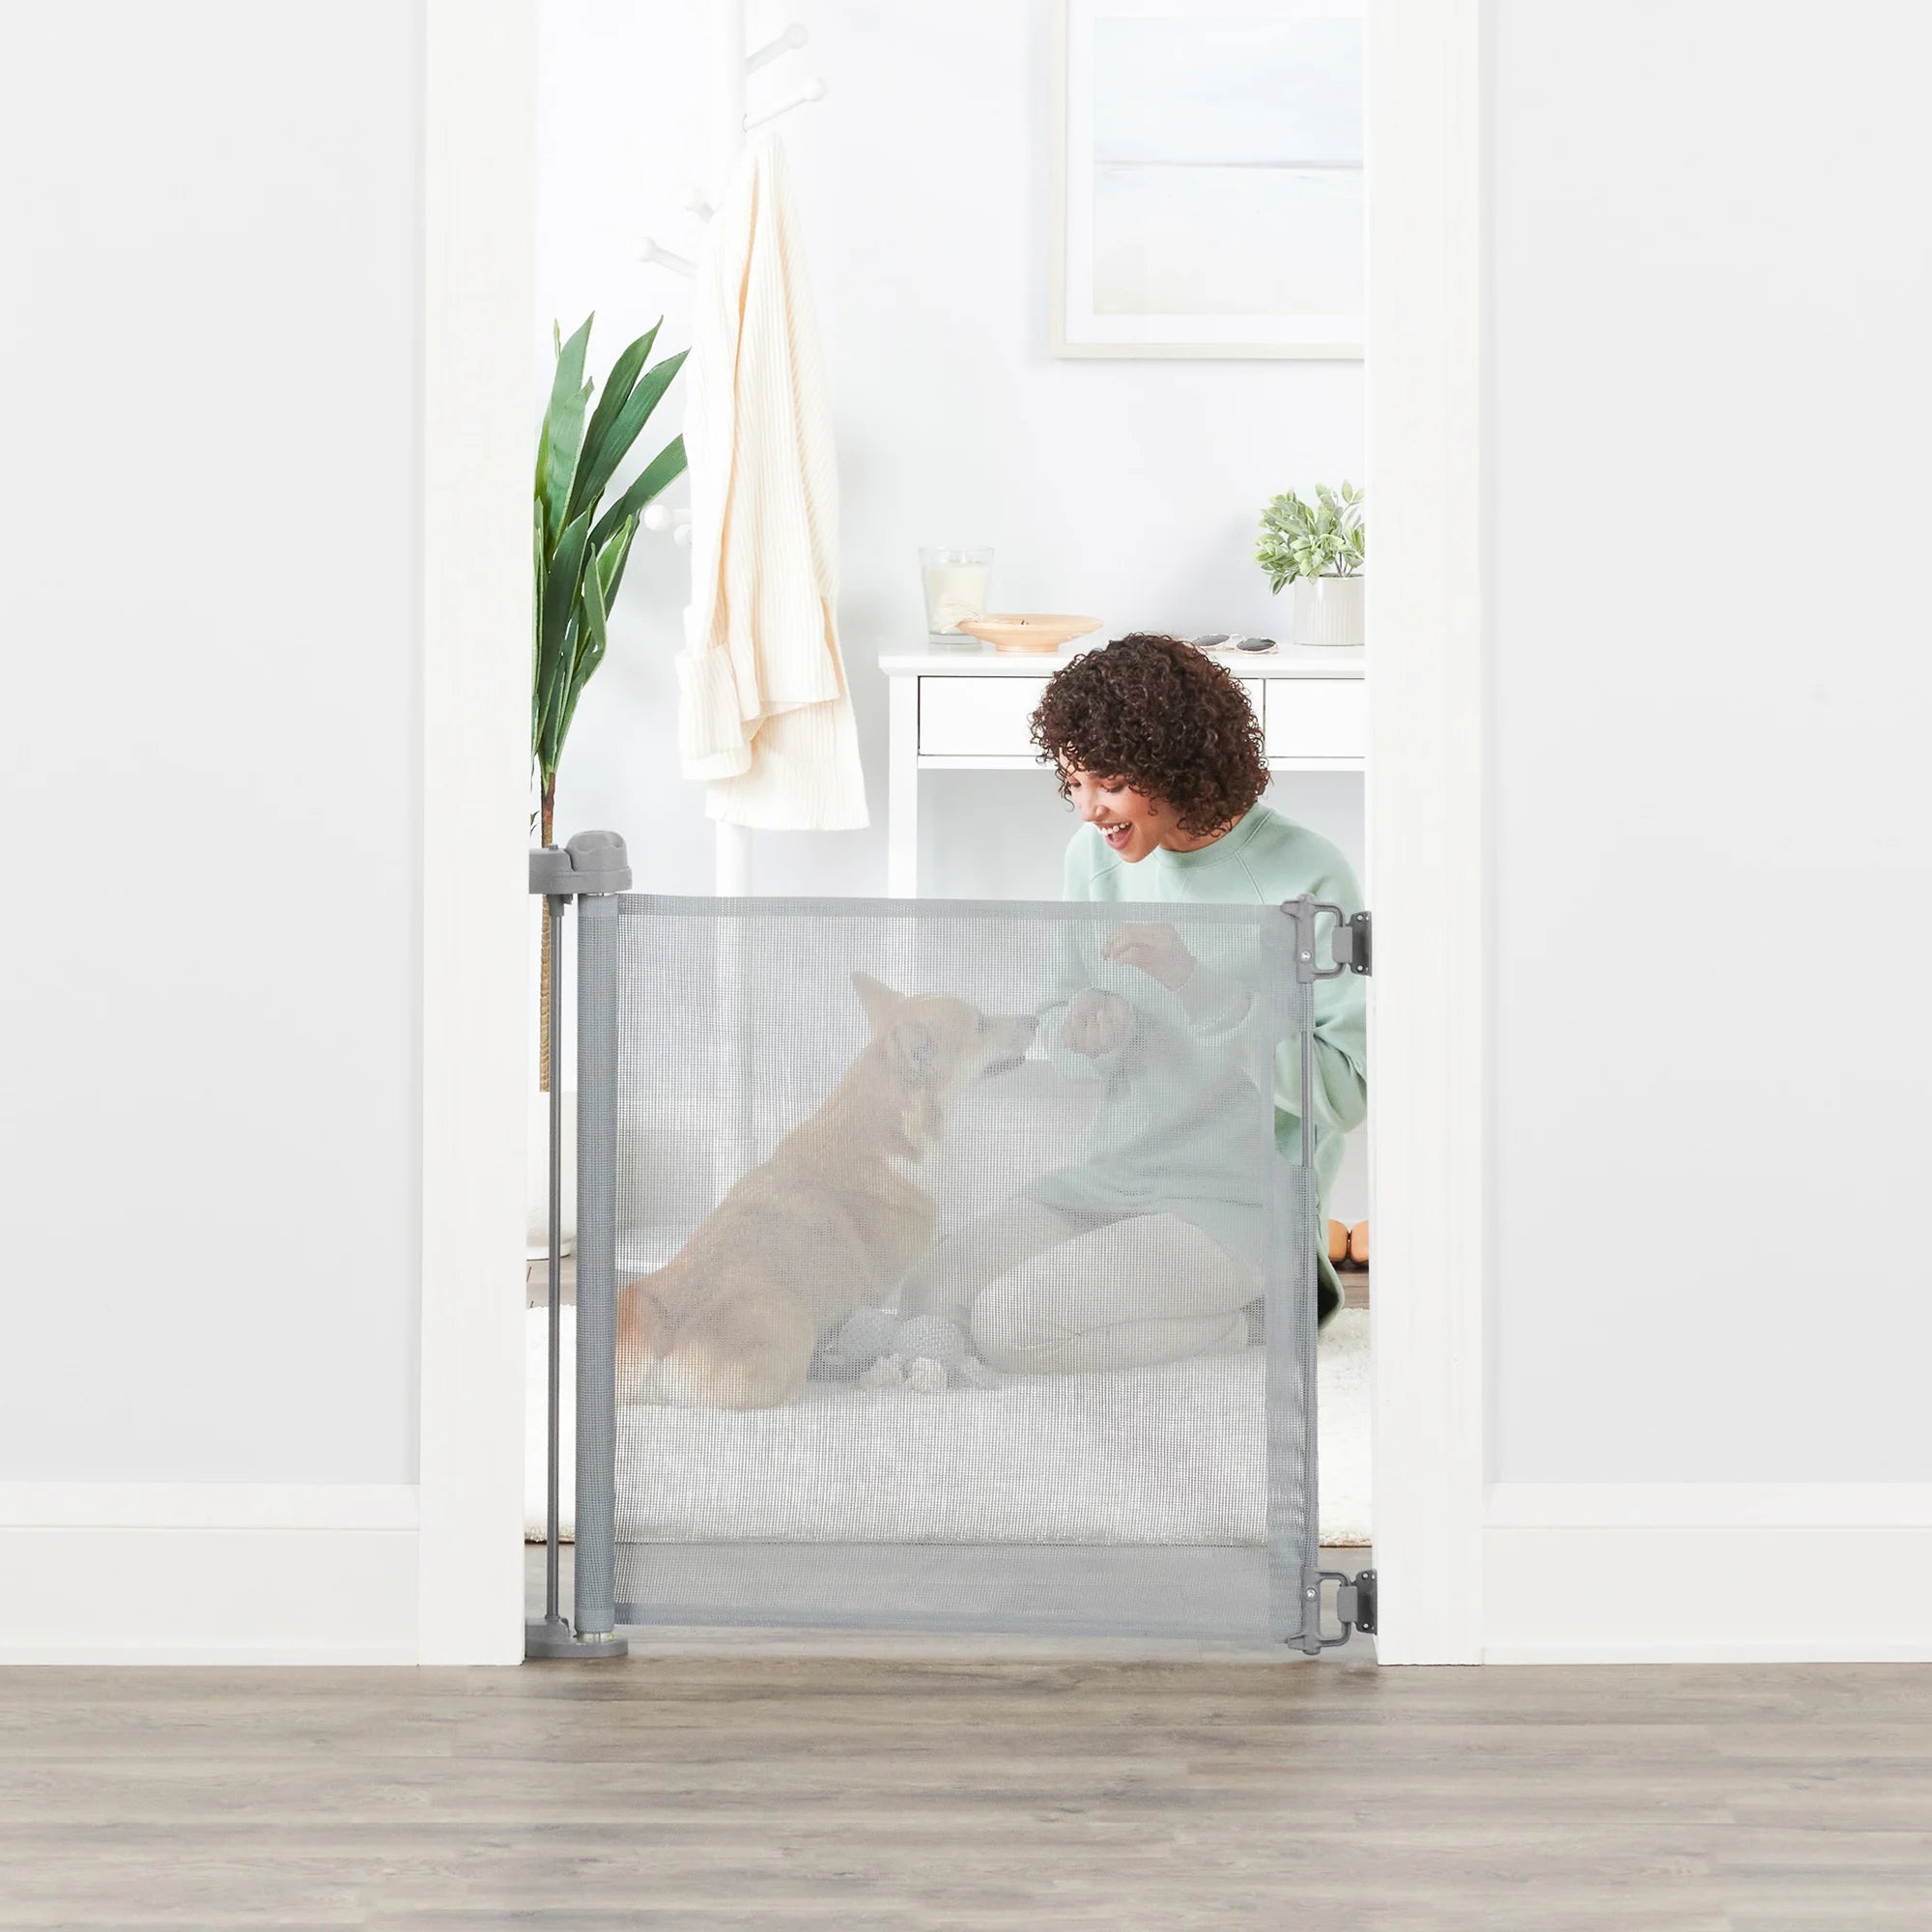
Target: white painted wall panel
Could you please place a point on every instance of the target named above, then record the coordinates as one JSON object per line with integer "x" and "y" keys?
{"x": 1713, "y": 688}
{"x": 209, "y": 347}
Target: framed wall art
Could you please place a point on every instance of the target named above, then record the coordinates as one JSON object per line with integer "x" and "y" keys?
{"x": 1209, "y": 178}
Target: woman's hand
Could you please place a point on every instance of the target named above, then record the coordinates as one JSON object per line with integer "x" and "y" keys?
{"x": 1156, "y": 948}
{"x": 1095, "y": 1023}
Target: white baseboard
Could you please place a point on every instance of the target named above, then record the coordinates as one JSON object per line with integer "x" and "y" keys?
{"x": 1707, "y": 1573}
{"x": 1591, "y": 1573}
{"x": 208, "y": 1573}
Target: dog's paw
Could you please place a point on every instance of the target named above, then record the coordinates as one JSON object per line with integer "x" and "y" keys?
{"x": 926, "y": 1377}
{"x": 887, "y": 1373}
{"x": 973, "y": 1373}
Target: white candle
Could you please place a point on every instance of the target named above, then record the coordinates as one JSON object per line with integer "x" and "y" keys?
{"x": 956, "y": 587}
{"x": 953, "y": 591}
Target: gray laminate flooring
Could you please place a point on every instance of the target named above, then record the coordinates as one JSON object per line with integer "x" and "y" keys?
{"x": 862, "y": 1784}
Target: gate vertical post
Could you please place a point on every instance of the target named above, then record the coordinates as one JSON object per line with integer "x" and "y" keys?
{"x": 597, "y": 924}
{"x": 1350, "y": 948}
{"x": 589, "y": 869}
{"x": 551, "y": 1636}
{"x": 1295, "y": 1224}
{"x": 1307, "y": 1232}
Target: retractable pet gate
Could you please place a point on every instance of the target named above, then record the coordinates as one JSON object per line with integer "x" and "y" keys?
{"x": 1082, "y": 1401}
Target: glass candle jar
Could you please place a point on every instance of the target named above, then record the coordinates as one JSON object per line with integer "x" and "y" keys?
{"x": 956, "y": 587}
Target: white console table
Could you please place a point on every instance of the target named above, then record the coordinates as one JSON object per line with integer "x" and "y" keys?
{"x": 967, "y": 711}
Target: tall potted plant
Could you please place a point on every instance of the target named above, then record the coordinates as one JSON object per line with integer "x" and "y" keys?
{"x": 581, "y": 549}
{"x": 1319, "y": 548}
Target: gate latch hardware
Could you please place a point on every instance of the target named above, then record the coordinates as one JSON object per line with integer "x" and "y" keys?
{"x": 1349, "y": 939}
{"x": 1352, "y": 942}
{"x": 1355, "y": 1603}
{"x": 1354, "y": 1606}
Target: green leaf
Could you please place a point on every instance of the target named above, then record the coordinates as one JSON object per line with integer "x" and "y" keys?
{"x": 562, "y": 435}
{"x": 667, "y": 465}
{"x": 541, "y": 576}
{"x": 556, "y": 697}
{"x": 623, "y": 432}
{"x": 554, "y": 625}
{"x": 593, "y": 639}
{"x": 611, "y": 558}
{"x": 617, "y": 388}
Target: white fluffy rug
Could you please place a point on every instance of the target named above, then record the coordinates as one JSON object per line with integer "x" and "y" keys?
{"x": 1158, "y": 1456}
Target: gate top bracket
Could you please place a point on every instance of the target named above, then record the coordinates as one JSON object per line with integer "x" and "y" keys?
{"x": 593, "y": 862}
{"x": 1348, "y": 940}
{"x": 1352, "y": 942}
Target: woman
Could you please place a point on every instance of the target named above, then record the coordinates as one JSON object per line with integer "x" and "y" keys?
{"x": 1149, "y": 1250}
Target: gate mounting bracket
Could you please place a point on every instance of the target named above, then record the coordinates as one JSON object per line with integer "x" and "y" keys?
{"x": 1352, "y": 942}
{"x": 1349, "y": 941}
{"x": 1356, "y": 1600}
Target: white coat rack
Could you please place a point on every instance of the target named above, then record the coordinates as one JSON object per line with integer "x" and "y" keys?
{"x": 729, "y": 65}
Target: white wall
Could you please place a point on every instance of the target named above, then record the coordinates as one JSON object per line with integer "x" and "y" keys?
{"x": 210, "y": 347}
{"x": 1712, "y": 294}
{"x": 1129, "y": 490}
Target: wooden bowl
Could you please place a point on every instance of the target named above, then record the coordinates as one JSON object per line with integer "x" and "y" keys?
{"x": 1027, "y": 629}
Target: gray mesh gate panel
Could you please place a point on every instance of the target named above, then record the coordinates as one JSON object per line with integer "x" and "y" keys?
{"x": 953, "y": 1269}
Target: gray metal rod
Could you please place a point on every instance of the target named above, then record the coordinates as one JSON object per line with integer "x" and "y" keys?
{"x": 554, "y": 1519}
{"x": 1292, "y": 1553}
{"x": 1308, "y": 1233}
{"x": 596, "y": 1265}
{"x": 1308, "y": 1081}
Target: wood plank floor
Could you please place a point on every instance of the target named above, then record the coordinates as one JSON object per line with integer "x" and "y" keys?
{"x": 944, "y": 1787}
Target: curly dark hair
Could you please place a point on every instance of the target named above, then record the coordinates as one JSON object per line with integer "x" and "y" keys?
{"x": 1164, "y": 718}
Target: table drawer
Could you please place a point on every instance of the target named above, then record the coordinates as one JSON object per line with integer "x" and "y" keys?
{"x": 1316, "y": 718}
{"x": 976, "y": 716}
{"x": 987, "y": 716}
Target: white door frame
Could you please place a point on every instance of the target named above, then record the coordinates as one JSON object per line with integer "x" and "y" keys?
{"x": 480, "y": 296}
{"x": 1427, "y": 821}
{"x": 1428, "y": 824}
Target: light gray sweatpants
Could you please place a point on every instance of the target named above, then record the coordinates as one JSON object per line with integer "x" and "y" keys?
{"x": 1041, "y": 1291}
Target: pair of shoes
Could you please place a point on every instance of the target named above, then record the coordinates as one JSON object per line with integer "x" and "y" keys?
{"x": 1349, "y": 1247}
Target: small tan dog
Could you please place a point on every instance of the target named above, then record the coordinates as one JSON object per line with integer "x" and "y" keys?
{"x": 831, "y": 1223}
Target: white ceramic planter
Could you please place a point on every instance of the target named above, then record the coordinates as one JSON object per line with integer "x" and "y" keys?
{"x": 536, "y": 1238}
{"x": 1328, "y": 610}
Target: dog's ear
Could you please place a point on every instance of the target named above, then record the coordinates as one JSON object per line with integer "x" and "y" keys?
{"x": 915, "y": 1050}
{"x": 878, "y": 999}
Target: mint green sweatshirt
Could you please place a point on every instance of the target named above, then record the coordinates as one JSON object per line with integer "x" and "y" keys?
{"x": 1167, "y": 1137}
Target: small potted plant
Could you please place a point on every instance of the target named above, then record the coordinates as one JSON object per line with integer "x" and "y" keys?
{"x": 1317, "y": 548}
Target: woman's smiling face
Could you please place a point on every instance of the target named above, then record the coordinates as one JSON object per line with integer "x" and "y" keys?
{"x": 1132, "y": 824}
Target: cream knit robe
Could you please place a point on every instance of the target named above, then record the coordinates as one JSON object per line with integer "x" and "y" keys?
{"x": 765, "y": 717}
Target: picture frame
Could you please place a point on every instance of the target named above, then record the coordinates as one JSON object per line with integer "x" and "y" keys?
{"x": 1209, "y": 179}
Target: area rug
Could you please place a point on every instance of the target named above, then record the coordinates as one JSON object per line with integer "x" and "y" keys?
{"x": 1194, "y": 1431}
